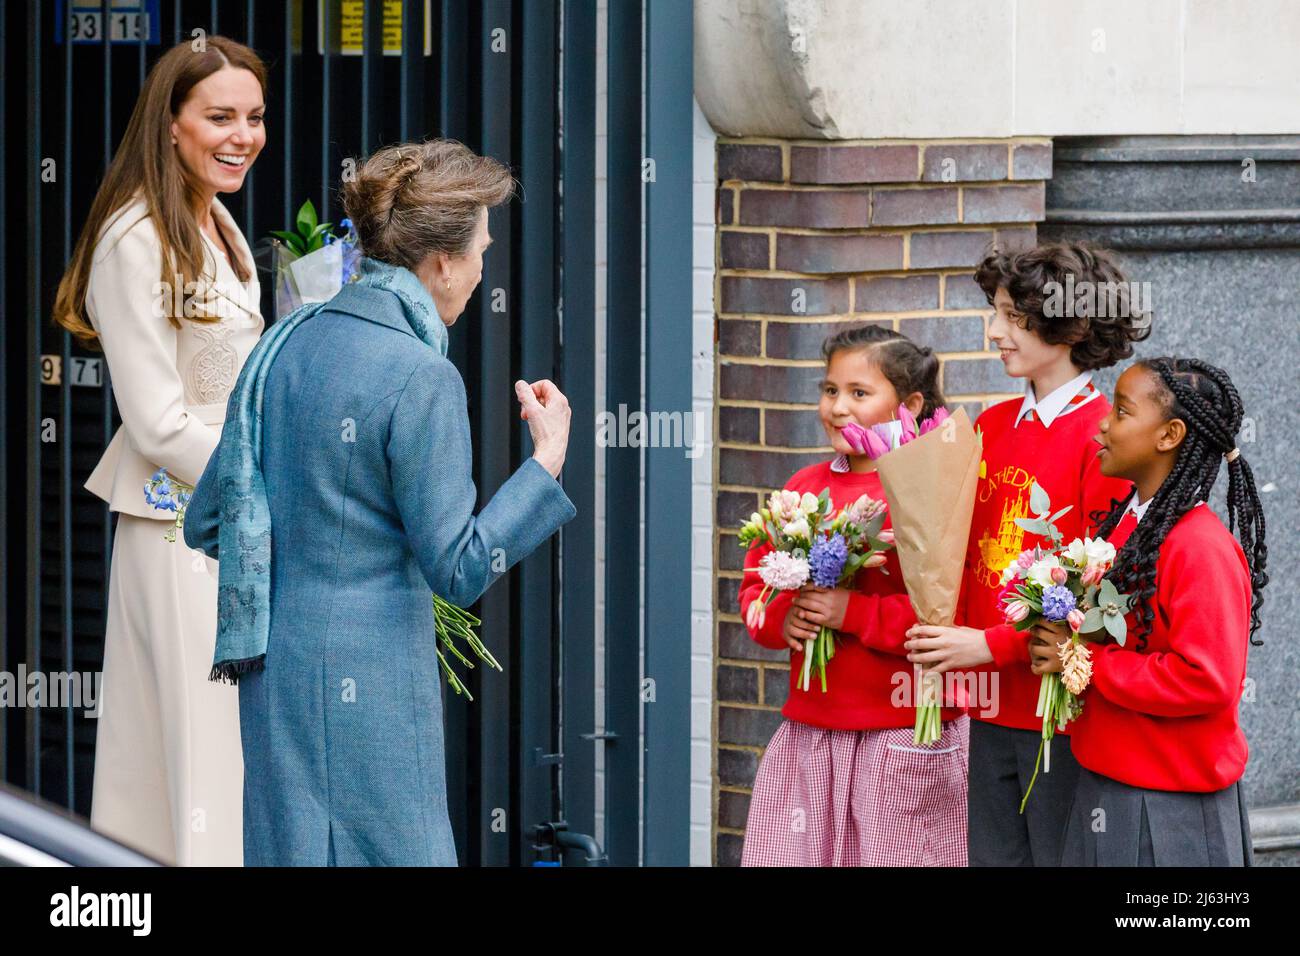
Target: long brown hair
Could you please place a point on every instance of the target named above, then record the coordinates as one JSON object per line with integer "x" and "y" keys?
{"x": 145, "y": 162}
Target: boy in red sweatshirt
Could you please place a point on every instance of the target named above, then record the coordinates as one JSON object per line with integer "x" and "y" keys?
{"x": 1159, "y": 738}
{"x": 1055, "y": 343}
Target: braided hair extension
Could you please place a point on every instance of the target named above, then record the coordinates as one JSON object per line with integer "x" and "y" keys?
{"x": 1203, "y": 396}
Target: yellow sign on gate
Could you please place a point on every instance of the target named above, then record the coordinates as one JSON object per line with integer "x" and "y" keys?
{"x": 350, "y": 27}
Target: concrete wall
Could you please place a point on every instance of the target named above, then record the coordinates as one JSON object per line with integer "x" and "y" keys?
{"x": 877, "y": 69}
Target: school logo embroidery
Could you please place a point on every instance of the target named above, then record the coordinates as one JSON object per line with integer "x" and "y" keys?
{"x": 996, "y": 552}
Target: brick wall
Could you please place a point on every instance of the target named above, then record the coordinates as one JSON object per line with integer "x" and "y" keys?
{"x": 813, "y": 237}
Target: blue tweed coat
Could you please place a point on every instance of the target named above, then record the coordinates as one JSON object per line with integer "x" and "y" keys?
{"x": 367, "y": 461}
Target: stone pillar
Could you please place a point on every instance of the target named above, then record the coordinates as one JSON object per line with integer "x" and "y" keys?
{"x": 813, "y": 237}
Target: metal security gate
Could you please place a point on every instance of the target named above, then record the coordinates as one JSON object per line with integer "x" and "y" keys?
{"x": 514, "y": 79}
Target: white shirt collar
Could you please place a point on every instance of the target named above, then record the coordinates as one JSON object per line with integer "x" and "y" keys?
{"x": 1049, "y": 408}
{"x": 1138, "y": 509}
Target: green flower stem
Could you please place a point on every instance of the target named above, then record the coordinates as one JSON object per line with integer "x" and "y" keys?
{"x": 454, "y": 622}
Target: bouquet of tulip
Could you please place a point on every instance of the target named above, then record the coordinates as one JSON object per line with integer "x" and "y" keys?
{"x": 166, "y": 493}
{"x": 929, "y": 471}
{"x": 1062, "y": 584}
{"x": 812, "y": 542}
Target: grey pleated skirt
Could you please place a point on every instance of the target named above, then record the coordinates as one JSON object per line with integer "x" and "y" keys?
{"x": 1113, "y": 824}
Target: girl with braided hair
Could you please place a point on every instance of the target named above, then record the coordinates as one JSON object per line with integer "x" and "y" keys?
{"x": 1159, "y": 740}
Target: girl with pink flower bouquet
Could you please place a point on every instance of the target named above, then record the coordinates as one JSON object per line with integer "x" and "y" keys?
{"x": 842, "y": 782}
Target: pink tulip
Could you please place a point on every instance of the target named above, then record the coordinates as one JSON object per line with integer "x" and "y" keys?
{"x": 909, "y": 424}
{"x": 1092, "y": 574}
{"x": 934, "y": 421}
{"x": 1075, "y": 620}
{"x": 864, "y": 441}
{"x": 887, "y": 536}
{"x": 875, "y": 561}
{"x": 755, "y": 615}
{"x": 1060, "y": 575}
{"x": 1016, "y": 611}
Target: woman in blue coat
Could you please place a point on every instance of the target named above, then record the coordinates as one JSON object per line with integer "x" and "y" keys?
{"x": 339, "y": 498}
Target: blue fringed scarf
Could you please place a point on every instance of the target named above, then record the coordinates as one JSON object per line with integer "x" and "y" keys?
{"x": 244, "y": 585}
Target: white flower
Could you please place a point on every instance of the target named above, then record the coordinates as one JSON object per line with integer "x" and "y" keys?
{"x": 1099, "y": 551}
{"x": 1009, "y": 573}
{"x": 783, "y": 571}
{"x": 1086, "y": 551}
{"x": 1041, "y": 571}
{"x": 809, "y": 504}
{"x": 798, "y": 528}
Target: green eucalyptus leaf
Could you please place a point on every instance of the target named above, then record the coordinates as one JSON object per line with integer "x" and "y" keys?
{"x": 1115, "y": 627}
{"x": 1092, "y": 620}
{"x": 1039, "y": 503}
{"x": 1036, "y": 525}
{"x": 1108, "y": 593}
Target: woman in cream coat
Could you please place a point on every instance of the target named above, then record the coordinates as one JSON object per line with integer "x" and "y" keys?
{"x": 164, "y": 282}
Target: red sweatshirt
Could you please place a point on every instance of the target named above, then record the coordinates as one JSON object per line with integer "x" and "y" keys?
{"x": 1063, "y": 460}
{"x": 870, "y": 682}
{"x": 1165, "y": 718}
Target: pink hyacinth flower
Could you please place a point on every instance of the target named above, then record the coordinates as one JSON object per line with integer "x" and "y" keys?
{"x": 864, "y": 441}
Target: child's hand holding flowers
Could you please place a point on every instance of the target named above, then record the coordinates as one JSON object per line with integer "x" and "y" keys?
{"x": 824, "y": 607}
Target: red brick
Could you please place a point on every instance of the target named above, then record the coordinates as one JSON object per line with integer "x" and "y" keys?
{"x": 853, "y": 164}
{"x": 762, "y": 469}
{"x": 1031, "y": 161}
{"x": 1016, "y": 238}
{"x": 754, "y": 294}
{"x": 791, "y": 428}
{"x": 913, "y": 207}
{"x": 726, "y": 205}
{"x": 832, "y": 254}
{"x": 970, "y": 161}
{"x": 962, "y": 292}
{"x": 744, "y": 250}
{"x": 749, "y": 162}
{"x": 734, "y": 642}
{"x": 738, "y": 424}
{"x": 945, "y": 250}
{"x": 739, "y": 337}
{"x": 810, "y": 208}
{"x": 897, "y": 294}
{"x": 776, "y": 383}
{"x": 803, "y": 340}
{"x": 1003, "y": 203}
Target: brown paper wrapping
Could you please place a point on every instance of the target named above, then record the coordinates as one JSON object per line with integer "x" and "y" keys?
{"x": 930, "y": 483}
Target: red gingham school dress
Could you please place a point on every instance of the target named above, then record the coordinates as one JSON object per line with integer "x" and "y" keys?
{"x": 859, "y": 798}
